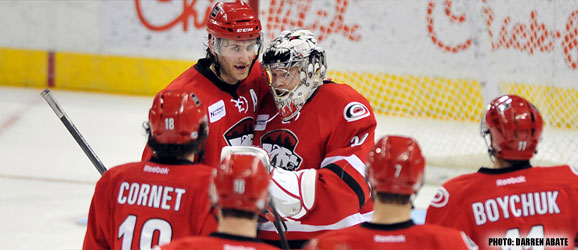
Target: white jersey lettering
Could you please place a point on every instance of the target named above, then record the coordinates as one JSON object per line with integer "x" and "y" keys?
{"x": 527, "y": 204}
{"x": 146, "y": 195}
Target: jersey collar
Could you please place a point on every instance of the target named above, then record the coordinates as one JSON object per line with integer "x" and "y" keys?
{"x": 171, "y": 161}
{"x": 204, "y": 67}
{"x": 485, "y": 170}
{"x": 233, "y": 237}
{"x": 388, "y": 227}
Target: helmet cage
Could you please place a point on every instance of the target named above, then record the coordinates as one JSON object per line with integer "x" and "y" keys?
{"x": 295, "y": 48}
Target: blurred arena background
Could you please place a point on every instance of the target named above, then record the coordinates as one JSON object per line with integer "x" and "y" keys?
{"x": 427, "y": 67}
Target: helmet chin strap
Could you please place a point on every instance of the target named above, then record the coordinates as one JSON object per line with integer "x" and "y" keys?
{"x": 491, "y": 154}
{"x": 215, "y": 65}
{"x": 491, "y": 151}
{"x": 216, "y": 68}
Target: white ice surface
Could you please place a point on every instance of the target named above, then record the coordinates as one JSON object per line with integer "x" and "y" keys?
{"x": 46, "y": 181}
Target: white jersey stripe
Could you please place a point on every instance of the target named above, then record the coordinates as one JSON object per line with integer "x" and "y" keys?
{"x": 296, "y": 226}
{"x": 353, "y": 160}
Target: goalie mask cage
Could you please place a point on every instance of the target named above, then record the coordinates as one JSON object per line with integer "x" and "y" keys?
{"x": 429, "y": 67}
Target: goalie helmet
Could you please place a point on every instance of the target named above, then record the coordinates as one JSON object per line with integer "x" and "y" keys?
{"x": 298, "y": 49}
{"x": 241, "y": 180}
{"x": 396, "y": 166}
{"x": 234, "y": 20}
{"x": 178, "y": 117}
{"x": 514, "y": 126}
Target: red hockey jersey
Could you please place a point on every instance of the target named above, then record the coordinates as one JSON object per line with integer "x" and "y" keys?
{"x": 231, "y": 109}
{"x": 529, "y": 205}
{"x": 333, "y": 133}
{"x": 399, "y": 236}
{"x": 220, "y": 241}
{"x": 143, "y": 204}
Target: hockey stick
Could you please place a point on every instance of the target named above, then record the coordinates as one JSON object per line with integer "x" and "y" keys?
{"x": 47, "y": 95}
{"x": 277, "y": 223}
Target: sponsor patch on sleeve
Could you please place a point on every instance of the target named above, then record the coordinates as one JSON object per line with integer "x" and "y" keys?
{"x": 355, "y": 111}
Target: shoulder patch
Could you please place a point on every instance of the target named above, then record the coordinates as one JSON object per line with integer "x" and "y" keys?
{"x": 217, "y": 111}
{"x": 441, "y": 198}
{"x": 355, "y": 111}
{"x": 261, "y": 122}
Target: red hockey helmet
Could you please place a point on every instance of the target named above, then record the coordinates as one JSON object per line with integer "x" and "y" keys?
{"x": 177, "y": 117}
{"x": 234, "y": 20}
{"x": 241, "y": 181}
{"x": 396, "y": 166}
{"x": 514, "y": 125}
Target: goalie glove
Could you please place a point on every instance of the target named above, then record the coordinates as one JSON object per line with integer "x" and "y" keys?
{"x": 293, "y": 192}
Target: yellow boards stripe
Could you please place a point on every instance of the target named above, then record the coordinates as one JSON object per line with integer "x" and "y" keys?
{"x": 19, "y": 67}
{"x": 116, "y": 74}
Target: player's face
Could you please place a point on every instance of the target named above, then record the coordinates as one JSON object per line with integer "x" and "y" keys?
{"x": 235, "y": 58}
{"x": 284, "y": 80}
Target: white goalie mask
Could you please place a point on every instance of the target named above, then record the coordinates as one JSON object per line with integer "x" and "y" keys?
{"x": 296, "y": 67}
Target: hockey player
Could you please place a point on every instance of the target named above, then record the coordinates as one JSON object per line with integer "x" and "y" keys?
{"x": 512, "y": 205}
{"x": 395, "y": 173}
{"x": 229, "y": 80}
{"x": 143, "y": 204}
{"x": 239, "y": 191}
{"x": 318, "y": 134}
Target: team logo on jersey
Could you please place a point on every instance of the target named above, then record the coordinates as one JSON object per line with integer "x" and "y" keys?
{"x": 241, "y": 104}
{"x": 441, "y": 198}
{"x": 281, "y": 146}
{"x": 241, "y": 134}
{"x": 355, "y": 111}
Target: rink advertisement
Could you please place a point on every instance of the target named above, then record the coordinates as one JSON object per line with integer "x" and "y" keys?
{"x": 390, "y": 51}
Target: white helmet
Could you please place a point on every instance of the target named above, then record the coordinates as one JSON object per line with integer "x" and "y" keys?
{"x": 295, "y": 48}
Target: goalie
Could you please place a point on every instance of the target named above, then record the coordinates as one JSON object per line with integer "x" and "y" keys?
{"x": 318, "y": 134}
